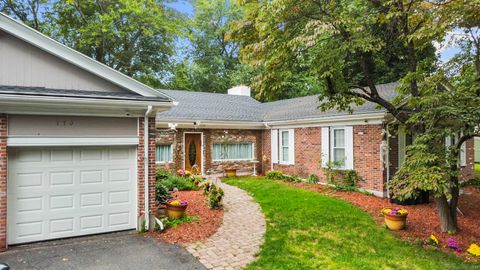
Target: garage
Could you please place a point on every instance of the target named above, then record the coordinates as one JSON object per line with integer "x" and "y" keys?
{"x": 61, "y": 192}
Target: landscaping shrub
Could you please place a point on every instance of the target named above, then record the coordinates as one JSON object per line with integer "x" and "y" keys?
{"x": 171, "y": 181}
{"x": 343, "y": 180}
{"x": 471, "y": 182}
{"x": 162, "y": 194}
{"x": 275, "y": 175}
{"x": 312, "y": 179}
{"x": 214, "y": 197}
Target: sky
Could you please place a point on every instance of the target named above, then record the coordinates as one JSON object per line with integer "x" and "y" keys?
{"x": 184, "y": 6}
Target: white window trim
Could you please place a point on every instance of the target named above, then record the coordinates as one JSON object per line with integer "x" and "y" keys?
{"x": 281, "y": 146}
{"x": 171, "y": 154}
{"x": 332, "y": 145}
{"x": 252, "y": 154}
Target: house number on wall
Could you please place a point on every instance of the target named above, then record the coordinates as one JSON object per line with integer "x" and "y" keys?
{"x": 65, "y": 123}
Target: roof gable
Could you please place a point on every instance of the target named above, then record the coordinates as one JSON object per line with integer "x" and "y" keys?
{"x": 47, "y": 44}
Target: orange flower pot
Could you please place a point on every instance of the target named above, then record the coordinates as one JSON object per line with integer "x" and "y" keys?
{"x": 231, "y": 172}
{"x": 176, "y": 211}
{"x": 395, "y": 222}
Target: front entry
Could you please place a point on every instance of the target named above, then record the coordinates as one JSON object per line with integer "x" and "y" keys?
{"x": 193, "y": 152}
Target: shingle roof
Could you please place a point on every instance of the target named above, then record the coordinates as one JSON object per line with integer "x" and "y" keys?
{"x": 307, "y": 107}
{"x": 223, "y": 107}
{"x": 48, "y": 92}
{"x": 211, "y": 106}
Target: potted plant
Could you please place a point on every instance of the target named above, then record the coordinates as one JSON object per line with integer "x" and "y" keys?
{"x": 176, "y": 208}
{"x": 396, "y": 218}
{"x": 230, "y": 169}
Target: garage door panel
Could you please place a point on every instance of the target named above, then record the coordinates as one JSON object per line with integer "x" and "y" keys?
{"x": 70, "y": 192}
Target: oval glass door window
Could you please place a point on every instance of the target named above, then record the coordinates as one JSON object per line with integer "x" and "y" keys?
{"x": 192, "y": 153}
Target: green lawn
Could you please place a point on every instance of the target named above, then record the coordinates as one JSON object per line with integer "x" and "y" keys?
{"x": 477, "y": 169}
{"x": 308, "y": 230}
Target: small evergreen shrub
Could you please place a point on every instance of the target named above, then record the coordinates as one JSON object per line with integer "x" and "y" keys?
{"x": 214, "y": 197}
{"x": 312, "y": 179}
{"x": 275, "y": 175}
{"x": 162, "y": 194}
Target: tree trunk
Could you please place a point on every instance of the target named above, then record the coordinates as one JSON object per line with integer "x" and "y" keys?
{"x": 447, "y": 214}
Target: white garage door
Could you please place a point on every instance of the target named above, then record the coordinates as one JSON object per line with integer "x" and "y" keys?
{"x": 63, "y": 192}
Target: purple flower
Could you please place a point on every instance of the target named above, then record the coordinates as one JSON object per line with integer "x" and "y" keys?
{"x": 453, "y": 244}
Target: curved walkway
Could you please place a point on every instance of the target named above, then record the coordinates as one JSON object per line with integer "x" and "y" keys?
{"x": 238, "y": 240}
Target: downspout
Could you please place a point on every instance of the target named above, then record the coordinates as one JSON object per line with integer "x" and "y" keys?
{"x": 388, "y": 162}
{"x": 146, "y": 165}
{"x": 271, "y": 160}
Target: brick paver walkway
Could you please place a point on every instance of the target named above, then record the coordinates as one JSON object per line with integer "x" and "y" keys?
{"x": 238, "y": 240}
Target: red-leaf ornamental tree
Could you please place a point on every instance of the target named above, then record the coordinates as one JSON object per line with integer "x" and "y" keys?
{"x": 340, "y": 45}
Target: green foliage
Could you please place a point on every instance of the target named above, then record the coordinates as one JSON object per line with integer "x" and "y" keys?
{"x": 312, "y": 179}
{"x": 161, "y": 193}
{"x": 343, "y": 180}
{"x": 214, "y": 197}
{"x": 171, "y": 180}
{"x": 274, "y": 175}
{"x": 305, "y": 229}
{"x": 212, "y": 64}
{"x": 471, "y": 182}
{"x": 174, "y": 222}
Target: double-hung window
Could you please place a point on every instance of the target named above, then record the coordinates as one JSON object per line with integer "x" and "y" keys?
{"x": 338, "y": 146}
{"x": 164, "y": 153}
{"x": 232, "y": 151}
{"x": 284, "y": 147}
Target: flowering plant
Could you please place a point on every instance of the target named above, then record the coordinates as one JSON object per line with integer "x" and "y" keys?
{"x": 177, "y": 202}
{"x": 432, "y": 240}
{"x": 453, "y": 244}
{"x": 183, "y": 172}
{"x": 474, "y": 249}
{"x": 395, "y": 211}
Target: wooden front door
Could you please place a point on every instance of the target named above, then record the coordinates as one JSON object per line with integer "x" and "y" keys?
{"x": 193, "y": 152}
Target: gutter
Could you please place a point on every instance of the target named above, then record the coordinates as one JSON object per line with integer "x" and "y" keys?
{"x": 146, "y": 166}
{"x": 271, "y": 160}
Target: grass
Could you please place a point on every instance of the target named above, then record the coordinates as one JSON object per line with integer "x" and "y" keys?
{"x": 477, "y": 169}
{"x": 308, "y": 230}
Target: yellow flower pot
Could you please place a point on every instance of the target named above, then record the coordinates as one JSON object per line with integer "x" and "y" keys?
{"x": 395, "y": 222}
{"x": 231, "y": 172}
{"x": 176, "y": 211}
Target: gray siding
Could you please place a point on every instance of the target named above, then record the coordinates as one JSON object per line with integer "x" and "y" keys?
{"x": 22, "y": 64}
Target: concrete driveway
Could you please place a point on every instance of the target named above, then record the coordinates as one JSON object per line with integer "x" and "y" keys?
{"x": 123, "y": 250}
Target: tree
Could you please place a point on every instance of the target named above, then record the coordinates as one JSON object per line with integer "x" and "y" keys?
{"x": 31, "y": 12}
{"x": 347, "y": 47}
{"x": 212, "y": 61}
{"x": 134, "y": 37}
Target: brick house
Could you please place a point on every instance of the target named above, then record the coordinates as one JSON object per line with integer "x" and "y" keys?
{"x": 213, "y": 131}
{"x": 77, "y": 141}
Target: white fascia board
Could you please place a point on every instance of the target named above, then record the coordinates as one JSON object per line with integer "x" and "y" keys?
{"x": 54, "y": 141}
{"x": 74, "y": 57}
{"x": 209, "y": 124}
{"x": 18, "y": 104}
{"x": 352, "y": 119}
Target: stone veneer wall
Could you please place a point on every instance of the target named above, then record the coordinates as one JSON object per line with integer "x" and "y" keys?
{"x": 210, "y": 137}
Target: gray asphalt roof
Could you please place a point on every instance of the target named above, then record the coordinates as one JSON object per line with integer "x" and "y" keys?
{"x": 211, "y": 106}
{"x": 48, "y": 92}
{"x": 223, "y": 107}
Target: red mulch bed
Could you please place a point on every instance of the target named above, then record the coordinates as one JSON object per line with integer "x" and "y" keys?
{"x": 209, "y": 222}
{"x": 422, "y": 219}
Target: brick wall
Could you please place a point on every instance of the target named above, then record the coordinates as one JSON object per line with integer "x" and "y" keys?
{"x": 3, "y": 182}
{"x": 141, "y": 165}
{"x": 210, "y": 137}
{"x": 367, "y": 160}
